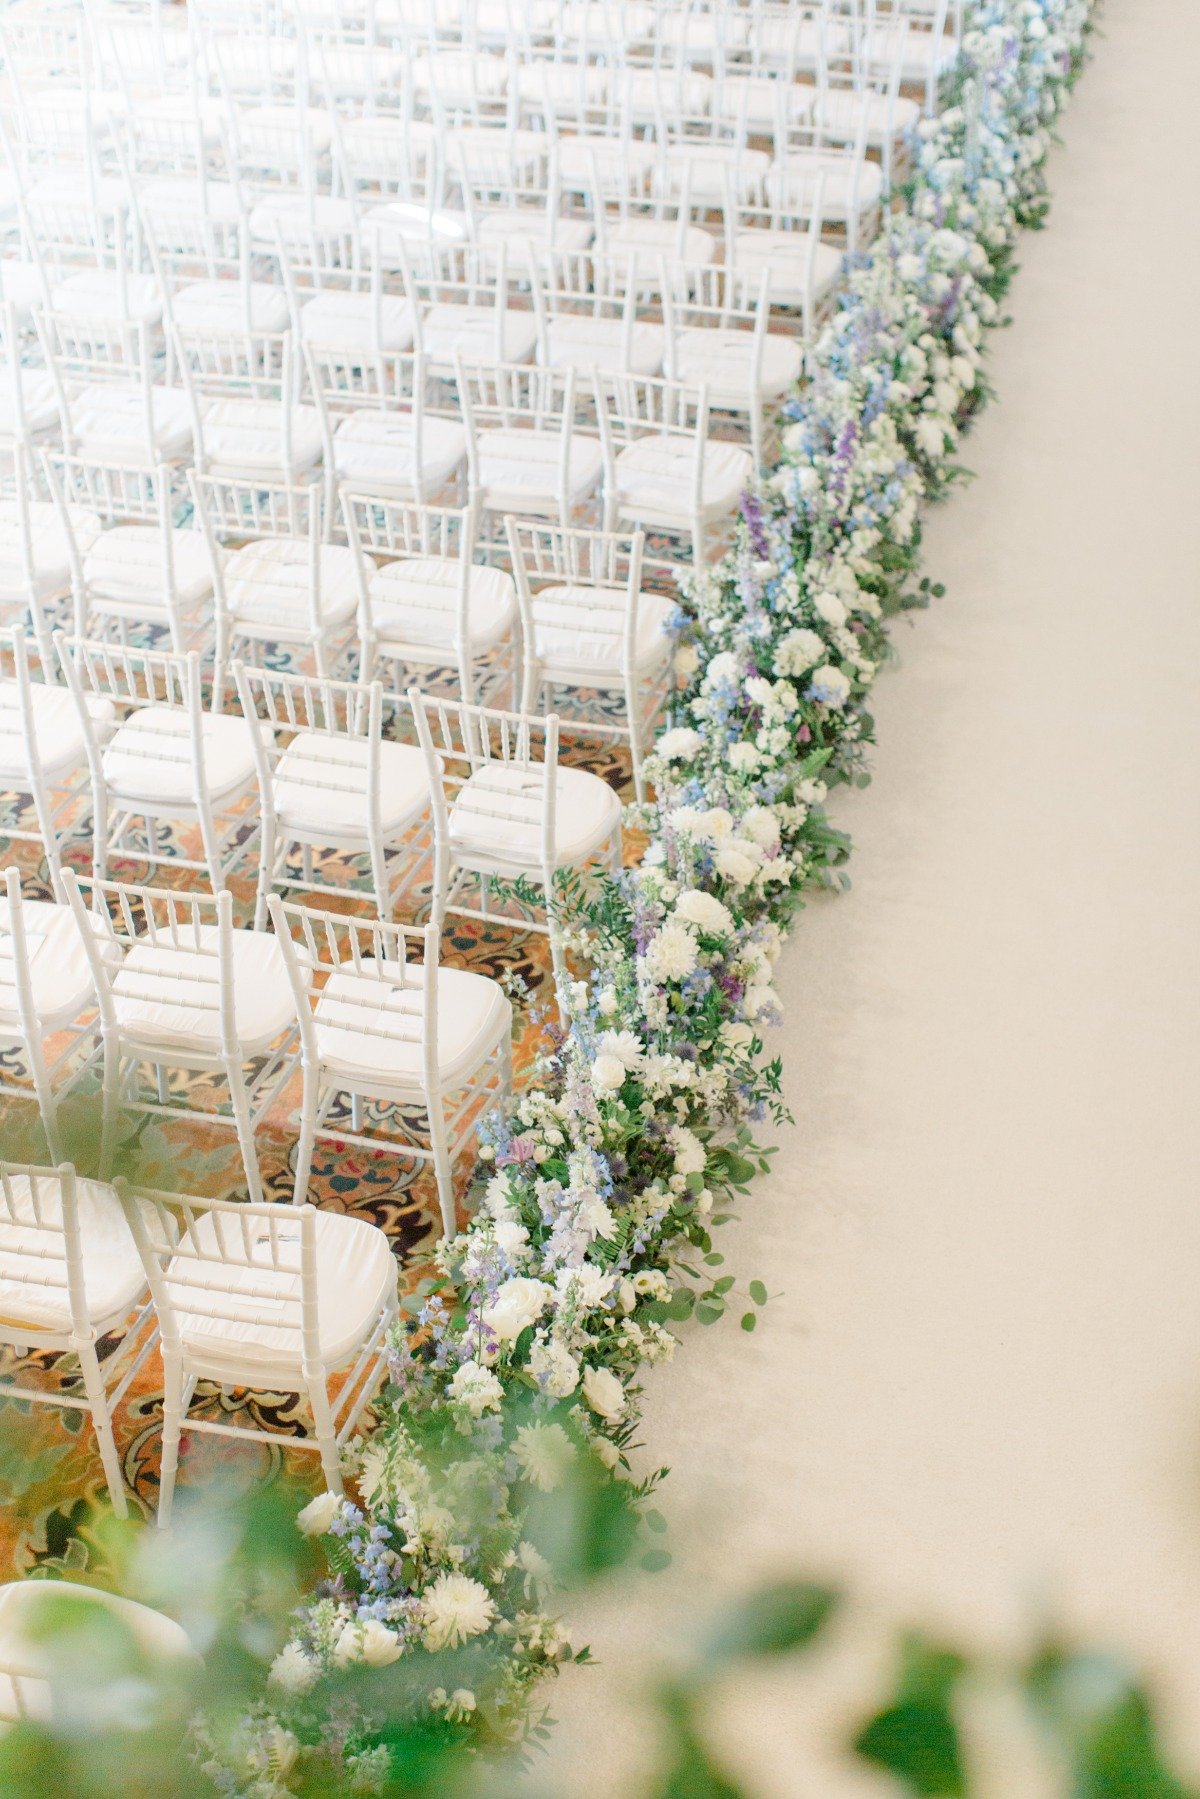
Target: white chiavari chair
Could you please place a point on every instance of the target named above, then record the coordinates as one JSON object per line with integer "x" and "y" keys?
{"x": 27, "y": 1662}
{"x": 525, "y": 452}
{"x": 132, "y": 567}
{"x": 425, "y": 604}
{"x": 459, "y": 298}
{"x": 590, "y": 632}
{"x": 719, "y": 338}
{"x": 159, "y": 756}
{"x": 43, "y": 752}
{"x": 507, "y": 816}
{"x": 115, "y": 409}
{"x": 382, "y": 432}
{"x": 70, "y": 1275}
{"x": 328, "y": 779}
{"x": 786, "y": 245}
{"x": 267, "y": 1297}
{"x": 40, "y": 545}
{"x": 179, "y": 988}
{"x": 48, "y": 1014}
{"x": 411, "y": 1037}
{"x": 586, "y": 308}
{"x": 662, "y": 470}
{"x": 286, "y": 586}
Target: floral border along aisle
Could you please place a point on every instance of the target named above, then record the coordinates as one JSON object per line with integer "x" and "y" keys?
{"x": 599, "y": 1193}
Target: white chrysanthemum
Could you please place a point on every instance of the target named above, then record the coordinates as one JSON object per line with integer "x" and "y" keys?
{"x": 672, "y": 954}
{"x": 691, "y": 1157}
{"x": 679, "y": 744}
{"x": 454, "y": 1608}
{"x": 294, "y": 1670}
{"x": 626, "y": 1046}
{"x": 705, "y": 911}
{"x": 544, "y": 1452}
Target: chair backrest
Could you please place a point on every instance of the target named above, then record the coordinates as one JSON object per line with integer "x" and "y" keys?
{"x": 596, "y": 577}
{"x": 381, "y": 531}
{"x": 629, "y": 407}
{"x": 461, "y": 741}
{"x": 40, "y": 1247}
{"x": 16, "y": 979}
{"x": 18, "y": 738}
{"x": 185, "y": 945}
{"x": 317, "y": 945}
{"x": 315, "y": 706}
{"x": 219, "y": 1260}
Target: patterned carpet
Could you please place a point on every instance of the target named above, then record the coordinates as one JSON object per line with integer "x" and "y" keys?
{"x": 50, "y": 1471}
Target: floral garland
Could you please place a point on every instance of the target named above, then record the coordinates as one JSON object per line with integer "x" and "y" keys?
{"x": 597, "y": 1192}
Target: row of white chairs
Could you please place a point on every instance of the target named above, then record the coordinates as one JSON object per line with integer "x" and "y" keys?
{"x": 398, "y": 1053}
{"x": 237, "y": 1295}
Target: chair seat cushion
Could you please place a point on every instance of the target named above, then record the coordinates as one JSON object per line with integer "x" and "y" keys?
{"x": 221, "y": 306}
{"x": 268, "y": 587}
{"x": 646, "y": 94}
{"x": 369, "y": 1029}
{"x": 20, "y": 285}
{"x": 846, "y": 186}
{"x": 586, "y": 343}
{"x": 356, "y": 1276}
{"x": 652, "y": 238}
{"x": 113, "y": 1277}
{"x": 181, "y": 197}
{"x": 245, "y": 437}
{"x": 59, "y": 974}
{"x": 333, "y": 320}
{"x": 415, "y": 603}
{"x": 723, "y": 361}
{"x": 48, "y": 550}
{"x": 838, "y": 112}
{"x": 22, "y": 1644}
{"x": 458, "y": 77}
{"x": 320, "y": 787}
{"x": 109, "y": 423}
{"x": 299, "y": 220}
{"x": 528, "y": 232}
{"x": 148, "y": 759}
{"x": 376, "y": 450}
{"x": 785, "y": 254}
{"x": 496, "y": 819}
{"x": 708, "y": 169}
{"x": 470, "y": 332}
{"x": 520, "y": 469}
{"x": 96, "y": 294}
{"x": 39, "y": 402}
{"x": 262, "y": 129}
{"x": 123, "y": 570}
{"x": 168, "y": 995}
{"x": 57, "y": 733}
{"x": 654, "y": 477}
{"x": 578, "y": 633}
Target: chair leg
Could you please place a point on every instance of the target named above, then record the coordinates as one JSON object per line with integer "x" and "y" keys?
{"x": 442, "y": 1167}
{"x": 110, "y": 1105}
{"x": 245, "y": 1130}
{"x": 94, "y": 1388}
{"x": 47, "y": 1105}
{"x": 266, "y": 870}
{"x": 309, "y": 1100}
{"x": 326, "y": 1435}
{"x": 99, "y": 832}
{"x": 171, "y": 1432}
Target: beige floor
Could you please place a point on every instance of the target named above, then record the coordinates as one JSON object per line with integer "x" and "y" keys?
{"x": 979, "y": 1394}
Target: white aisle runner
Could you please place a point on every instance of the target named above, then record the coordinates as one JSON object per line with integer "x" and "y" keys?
{"x": 980, "y": 1390}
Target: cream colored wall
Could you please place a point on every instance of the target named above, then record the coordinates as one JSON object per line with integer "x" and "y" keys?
{"x": 980, "y": 1392}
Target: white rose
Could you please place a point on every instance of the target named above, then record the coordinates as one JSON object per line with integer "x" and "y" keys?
{"x": 761, "y": 826}
{"x": 519, "y": 1303}
{"x": 736, "y": 1036}
{"x": 608, "y": 1074}
{"x": 705, "y": 911}
{"x": 604, "y": 1393}
{"x": 317, "y": 1515}
{"x": 734, "y": 865}
{"x": 370, "y": 1642}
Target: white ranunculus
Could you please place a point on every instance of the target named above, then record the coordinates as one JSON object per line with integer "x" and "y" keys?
{"x": 518, "y": 1303}
{"x": 735, "y": 865}
{"x": 705, "y": 911}
{"x": 317, "y": 1515}
{"x": 608, "y": 1074}
{"x": 604, "y": 1393}
{"x": 829, "y": 607}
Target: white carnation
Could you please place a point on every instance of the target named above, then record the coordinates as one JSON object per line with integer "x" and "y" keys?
{"x": 679, "y": 744}
{"x": 294, "y": 1670}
